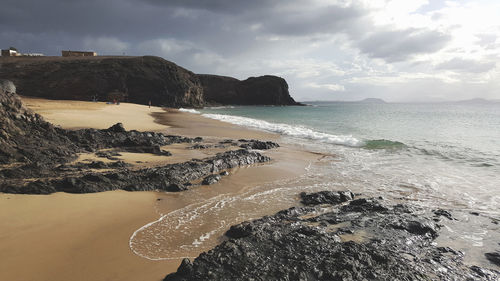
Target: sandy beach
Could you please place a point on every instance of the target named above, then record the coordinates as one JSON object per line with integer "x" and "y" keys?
{"x": 86, "y": 236}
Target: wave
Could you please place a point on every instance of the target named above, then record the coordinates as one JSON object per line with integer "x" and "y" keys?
{"x": 220, "y": 107}
{"x": 189, "y": 110}
{"x": 288, "y": 130}
{"x": 383, "y": 144}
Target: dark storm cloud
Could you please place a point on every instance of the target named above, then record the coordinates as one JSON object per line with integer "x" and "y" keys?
{"x": 219, "y": 6}
{"x": 224, "y": 27}
{"x": 306, "y": 22}
{"x": 399, "y": 45}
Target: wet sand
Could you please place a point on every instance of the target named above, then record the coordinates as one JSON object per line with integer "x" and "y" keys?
{"x": 194, "y": 125}
{"x": 86, "y": 236}
{"x": 75, "y": 237}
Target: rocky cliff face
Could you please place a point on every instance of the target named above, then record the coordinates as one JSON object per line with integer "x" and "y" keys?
{"x": 132, "y": 79}
{"x": 263, "y": 90}
{"x": 25, "y": 136}
{"x": 137, "y": 80}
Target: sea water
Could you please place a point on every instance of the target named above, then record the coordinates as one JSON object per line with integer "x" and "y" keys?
{"x": 443, "y": 155}
{"x": 433, "y": 155}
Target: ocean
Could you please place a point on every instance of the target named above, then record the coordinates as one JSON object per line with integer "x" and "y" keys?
{"x": 439, "y": 156}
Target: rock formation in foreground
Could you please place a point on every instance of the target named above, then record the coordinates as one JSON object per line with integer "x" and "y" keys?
{"x": 137, "y": 80}
{"x": 336, "y": 237}
{"x": 263, "y": 90}
{"x": 35, "y": 156}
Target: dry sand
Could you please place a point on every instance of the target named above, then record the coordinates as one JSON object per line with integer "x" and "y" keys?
{"x": 99, "y": 115}
{"x": 85, "y": 236}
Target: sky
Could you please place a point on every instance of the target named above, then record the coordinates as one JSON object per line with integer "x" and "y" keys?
{"x": 397, "y": 50}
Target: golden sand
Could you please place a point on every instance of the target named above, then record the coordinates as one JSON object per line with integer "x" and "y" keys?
{"x": 86, "y": 236}
{"x": 99, "y": 115}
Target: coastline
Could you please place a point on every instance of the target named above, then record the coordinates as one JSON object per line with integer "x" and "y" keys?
{"x": 86, "y": 236}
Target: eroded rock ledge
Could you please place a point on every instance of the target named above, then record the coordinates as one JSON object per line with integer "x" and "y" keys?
{"x": 341, "y": 239}
{"x": 172, "y": 177}
{"x": 35, "y": 156}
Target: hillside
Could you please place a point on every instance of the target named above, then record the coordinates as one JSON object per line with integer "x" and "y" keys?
{"x": 263, "y": 90}
{"x": 137, "y": 80}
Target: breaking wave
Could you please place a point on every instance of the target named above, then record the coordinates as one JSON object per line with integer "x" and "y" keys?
{"x": 189, "y": 110}
{"x": 288, "y": 130}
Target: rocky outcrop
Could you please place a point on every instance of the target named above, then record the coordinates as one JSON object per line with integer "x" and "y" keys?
{"x": 35, "y": 157}
{"x": 257, "y": 144}
{"x": 133, "y": 79}
{"x": 172, "y": 177}
{"x": 137, "y": 80}
{"x": 263, "y": 90}
{"x": 7, "y": 87}
{"x": 361, "y": 239}
{"x": 25, "y": 137}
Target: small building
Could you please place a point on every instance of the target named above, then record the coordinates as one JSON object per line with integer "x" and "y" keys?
{"x": 32, "y": 55}
{"x": 78, "y": 54}
{"x": 10, "y": 53}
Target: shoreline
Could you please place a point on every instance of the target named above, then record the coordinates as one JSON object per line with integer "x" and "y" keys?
{"x": 106, "y": 220}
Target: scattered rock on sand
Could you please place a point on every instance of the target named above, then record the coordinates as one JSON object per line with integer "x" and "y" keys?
{"x": 326, "y": 197}
{"x": 211, "y": 179}
{"x": 257, "y": 144}
{"x": 493, "y": 257}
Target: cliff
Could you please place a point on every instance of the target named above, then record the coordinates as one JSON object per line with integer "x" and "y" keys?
{"x": 263, "y": 90}
{"x": 137, "y": 80}
{"x": 25, "y": 136}
{"x": 132, "y": 79}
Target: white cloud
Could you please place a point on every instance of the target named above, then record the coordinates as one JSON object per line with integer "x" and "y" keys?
{"x": 331, "y": 87}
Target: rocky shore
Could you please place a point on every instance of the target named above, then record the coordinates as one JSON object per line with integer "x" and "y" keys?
{"x": 36, "y": 156}
{"x": 337, "y": 236}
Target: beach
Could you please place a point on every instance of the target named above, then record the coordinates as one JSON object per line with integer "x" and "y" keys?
{"x": 86, "y": 236}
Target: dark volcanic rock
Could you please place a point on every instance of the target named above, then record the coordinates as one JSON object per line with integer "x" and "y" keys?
{"x": 132, "y": 79}
{"x": 257, "y": 144}
{"x": 117, "y": 128}
{"x": 35, "y": 149}
{"x": 307, "y": 243}
{"x": 7, "y": 87}
{"x": 26, "y": 137}
{"x": 263, "y": 90}
{"x": 493, "y": 257}
{"x": 326, "y": 197}
{"x": 211, "y": 179}
{"x": 172, "y": 177}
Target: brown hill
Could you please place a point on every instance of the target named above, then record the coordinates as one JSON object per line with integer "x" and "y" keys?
{"x": 138, "y": 80}
{"x": 132, "y": 79}
{"x": 263, "y": 90}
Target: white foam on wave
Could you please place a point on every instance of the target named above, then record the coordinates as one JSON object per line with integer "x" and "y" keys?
{"x": 288, "y": 130}
{"x": 189, "y": 110}
{"x": 220, "y": 107}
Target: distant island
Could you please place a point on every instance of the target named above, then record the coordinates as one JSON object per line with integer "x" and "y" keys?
{"x": 477, "y": 101}
{"x": 372, "y": 100}
{"x": 367, "y": 100}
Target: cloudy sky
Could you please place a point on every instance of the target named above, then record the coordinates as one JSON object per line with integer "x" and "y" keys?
{"x": 398, "y": 50}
